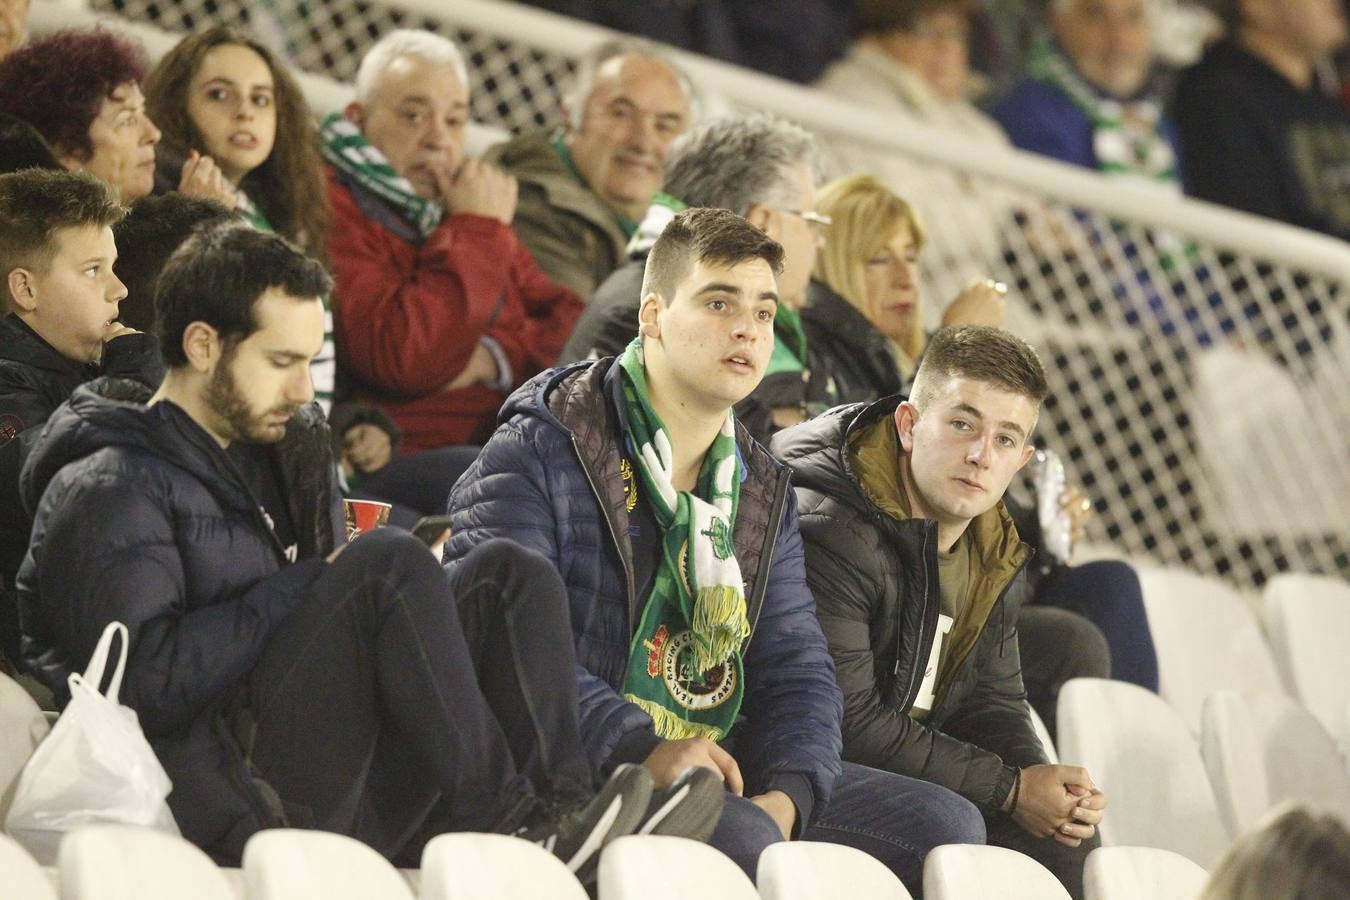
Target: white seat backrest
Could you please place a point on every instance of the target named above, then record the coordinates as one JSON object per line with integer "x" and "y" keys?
{"x": 23, "y": 877}
{"x": 813, "y": 870}
{"x": 660, "y": 867}
{"x": 291, "y": 864}
{"x": 1140, "y": 752}
{"x": 978, "y": 872}
{"x": 22, "y": 728}
{"x": 1308, "y": 619}
{"x": 1044, "y": 734}
{"x": 1207, "y": 640}
{"x": 129, "y": 862}
{"x": 1141, "y": 873}
{"x": 1264, "y": 749}
{"x": 471, "y": 866}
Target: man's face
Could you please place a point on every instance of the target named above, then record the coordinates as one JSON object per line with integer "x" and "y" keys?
{"x": 124, "y": 141}
{"x": 938, "y": 49}
{"x": 1313, "y": 28}
{"x": 800, "y": 238}
{"x": 1108, "y": 42}
{"x": 963, "y": 448}
{"x": 709, "y": 346}
{"x": 636, "y": 110}
{"x": 232, "y": 104}
{"x": 416, "y": 116}
{"x": 75, "y": 302}
{"x": 13, "y": 19}
{"x": 262, "y": 380}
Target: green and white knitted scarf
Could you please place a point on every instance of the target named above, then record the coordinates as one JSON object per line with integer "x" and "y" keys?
{"x": 350, "y": 153}
{"x": 1125, "y": 144}
{"x": 684, "y": 666}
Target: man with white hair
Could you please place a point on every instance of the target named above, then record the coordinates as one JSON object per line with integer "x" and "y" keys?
{"x": 1088, "y": 99}
{"x": 584, "y": 187}
{"x": 440, "y": 308}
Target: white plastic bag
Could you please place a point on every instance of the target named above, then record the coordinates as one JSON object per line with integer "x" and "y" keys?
{"x": 95, "y": 767}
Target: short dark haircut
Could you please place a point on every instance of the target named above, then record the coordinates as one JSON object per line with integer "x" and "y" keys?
{"x": 705, "y": 235}
{"x": 217, "y": 276}
{"x": 58, "y": 83}
{"x": 149, "y": 234}
{"x": 22, "y": 146}
{"x": 37, "y": 203}
{"x": 885, "y": 16}
{"x": 979, "y": 353}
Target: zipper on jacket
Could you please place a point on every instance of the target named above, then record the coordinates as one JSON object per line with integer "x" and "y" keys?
{"x": 929, "y": 625}
{"x": 613, "y": 532}
{"x": 756, "y": 601}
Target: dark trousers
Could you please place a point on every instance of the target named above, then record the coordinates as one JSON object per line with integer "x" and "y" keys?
{"x": 419, "y": 481}
{"x": 1065, "y": 862}
{"x": 1108, "y": 593}
{"x": 397, "y": 701}
{"x": 1056, "y": 645}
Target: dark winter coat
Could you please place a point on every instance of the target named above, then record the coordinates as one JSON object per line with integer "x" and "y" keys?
{"x": 550, "y": 480}
{"x": 34, "y": 380}
{"x": 144, "y": 519}
{"x": 875, "y": 578}
{"x": 845, "y": 344}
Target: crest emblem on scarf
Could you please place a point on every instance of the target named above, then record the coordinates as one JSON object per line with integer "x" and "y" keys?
{"x": 694, "y": 690}
{"x": 720, "y": 536}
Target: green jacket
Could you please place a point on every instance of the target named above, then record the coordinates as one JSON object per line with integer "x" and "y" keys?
{"x": 574, "y": 237}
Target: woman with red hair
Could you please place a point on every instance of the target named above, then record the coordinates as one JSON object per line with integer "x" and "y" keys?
{"x": 81, "y": 90}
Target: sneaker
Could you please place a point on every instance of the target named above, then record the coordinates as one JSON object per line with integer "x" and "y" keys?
{"x": 689, "y": 808}
{"x": 575, "y": 831}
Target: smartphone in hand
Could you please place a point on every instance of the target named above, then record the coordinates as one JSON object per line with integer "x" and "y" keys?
{"x": 430, "y": 528}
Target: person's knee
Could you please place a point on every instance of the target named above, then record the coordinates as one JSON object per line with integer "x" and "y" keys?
{"x": 504, "y": 554}
{"x": 742, "y": 833}
{"x": 1072, "y": 645}
{"x": 955, "y": 820}
{"x": 389, "y": 555}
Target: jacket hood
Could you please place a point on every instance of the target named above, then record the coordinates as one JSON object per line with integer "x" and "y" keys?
{"x": 817, "y": 449}
{"x": 111, "y": 412}
{"x": 533, "y": 397}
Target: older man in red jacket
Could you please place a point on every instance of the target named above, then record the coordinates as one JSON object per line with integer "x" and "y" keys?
{"x": 440, "y": 309}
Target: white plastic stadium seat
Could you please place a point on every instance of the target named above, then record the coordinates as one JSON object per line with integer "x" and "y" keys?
{"x": 978, "y": 872}
{"x": 22, "y": 728}
{"x": 813, "y": 870}
{"x": 660, "y": 867}
{"x": 128, "y": 862}
{"x": 1207, "y": 640}
{"x": 1044, "y": 734}
{"x": 471, "y": 866}
{"x": 1141, "y": 873}
{"x": 1143, "y": 756}
{"x": 24, "y": 879}
{"x": 1264, "y": 749}
{"x": 292, "y": 864}
{"x": 1308, "y": 619}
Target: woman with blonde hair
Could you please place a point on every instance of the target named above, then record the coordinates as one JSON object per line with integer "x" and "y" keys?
{"x": 864, "y": 316}
{"x": 1298, "y": 855}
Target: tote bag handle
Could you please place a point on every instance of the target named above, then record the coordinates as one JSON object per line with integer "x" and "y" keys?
{"x": 93, "y": 674}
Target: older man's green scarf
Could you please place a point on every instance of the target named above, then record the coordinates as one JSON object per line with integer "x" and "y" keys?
{"x": 684, "y": 666}
{"x": 348, "y": 151}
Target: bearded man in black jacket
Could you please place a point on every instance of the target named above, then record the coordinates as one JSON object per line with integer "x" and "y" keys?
{"x": 281, "y": 681}
{"x": 916, "y": 567}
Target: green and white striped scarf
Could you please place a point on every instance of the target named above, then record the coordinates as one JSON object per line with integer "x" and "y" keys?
{"x": 347, "y": 149}
{"x": 1131, "y": 145}
{"x": 684, "y": 665}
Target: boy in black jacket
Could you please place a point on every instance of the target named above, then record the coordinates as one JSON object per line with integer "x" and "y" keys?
{"x": 62, "y": 329}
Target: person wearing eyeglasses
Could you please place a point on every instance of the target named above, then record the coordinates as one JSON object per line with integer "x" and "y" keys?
{"x": 765, "y": 169}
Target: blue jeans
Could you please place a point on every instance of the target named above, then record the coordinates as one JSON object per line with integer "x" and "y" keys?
{"x": 893, "y": 818}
